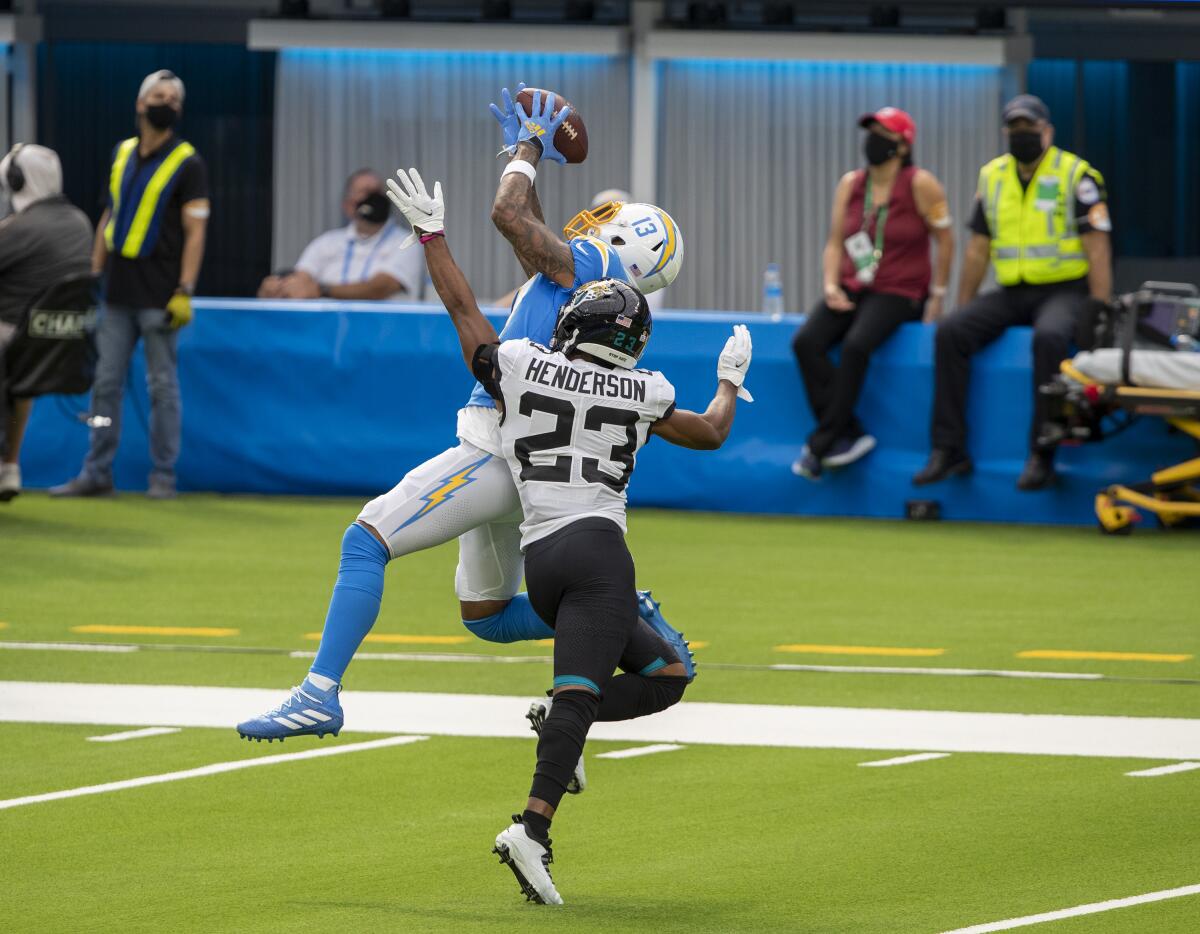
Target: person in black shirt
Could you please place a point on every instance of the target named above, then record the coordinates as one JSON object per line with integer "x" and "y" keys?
{"x": 149, "y": 244}
{"x": 44, "y": 240}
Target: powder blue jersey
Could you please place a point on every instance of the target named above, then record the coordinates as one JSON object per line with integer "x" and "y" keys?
{"x": 535, "y": 308}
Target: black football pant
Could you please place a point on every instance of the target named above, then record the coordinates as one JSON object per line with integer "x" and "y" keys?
{"x": 581, "y": 582}
{"x": 1053, "y": 310}
{"x": 833, "y": 391}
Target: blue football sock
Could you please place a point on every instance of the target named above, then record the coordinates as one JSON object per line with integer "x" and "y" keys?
{"x": 514, "y": 623}
{"x": 355, "y": 602}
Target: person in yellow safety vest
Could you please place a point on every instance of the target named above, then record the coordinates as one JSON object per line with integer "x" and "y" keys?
{"x": 149, "y": 245}
{"x": 1041, "y": 219}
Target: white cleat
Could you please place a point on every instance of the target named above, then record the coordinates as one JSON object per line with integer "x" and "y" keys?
{"x": 539, "y": 710}
{"x": 529, "y": 861}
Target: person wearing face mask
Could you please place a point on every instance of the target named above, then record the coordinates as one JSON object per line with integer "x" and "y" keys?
{"x": 149, "y": 246}
{"x": 43, "y": 241}
{"x": 365, "y": 259}
{"x": 1041, "y": 219}
{"x": 878, "y": 275}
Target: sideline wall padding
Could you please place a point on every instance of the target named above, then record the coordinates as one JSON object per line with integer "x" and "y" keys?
{"x": 344, "y": 398}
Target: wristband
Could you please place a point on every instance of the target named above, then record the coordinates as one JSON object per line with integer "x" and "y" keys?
{"x": 426, "y": 237}
{"x": 520, "y": 166}
{"x": 938, "y": 291}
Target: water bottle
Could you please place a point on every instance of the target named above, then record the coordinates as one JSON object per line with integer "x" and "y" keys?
{"x": 772, "y": 300}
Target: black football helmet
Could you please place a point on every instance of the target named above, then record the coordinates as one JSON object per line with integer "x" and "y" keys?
{"x": 608, "y": 319}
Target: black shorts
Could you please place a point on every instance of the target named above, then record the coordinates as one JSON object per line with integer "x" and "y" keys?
{"x": 581, "y": 582}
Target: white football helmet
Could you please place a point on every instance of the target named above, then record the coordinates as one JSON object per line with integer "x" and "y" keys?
{"x": 646, "y": 238}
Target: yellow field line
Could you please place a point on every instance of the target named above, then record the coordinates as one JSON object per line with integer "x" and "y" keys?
{"x": 860, "y": 650}
{"x": 155, "y": 630}
{"x": 1105, "y": 656}
{"x": 397, "y": 639}
{"x": 698, "y": 644}
{"x": 3, "y": 625}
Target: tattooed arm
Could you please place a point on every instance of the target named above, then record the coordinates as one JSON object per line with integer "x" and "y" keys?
{"x": 516, "y": 214}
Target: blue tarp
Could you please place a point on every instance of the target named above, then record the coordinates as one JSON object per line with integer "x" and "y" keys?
{"x": 328, "y": 397}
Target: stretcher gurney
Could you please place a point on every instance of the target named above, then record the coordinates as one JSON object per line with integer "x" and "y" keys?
{"x": 1152, "y": 371}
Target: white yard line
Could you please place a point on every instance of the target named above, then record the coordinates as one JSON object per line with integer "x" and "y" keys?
{"x": 1092, "y": 909}
{"x": 905, "y": 760}
{"x": 119, "y": 648}
{"x": 476, "y": 658}
{"x": 1164, "y": 770}
{"x": 639, "y": 751}
{"x": 941, "y": 672}
{"x": 133, "y": 734}
{"x": 132, "y": 705}
{"x": 217, "y": 768}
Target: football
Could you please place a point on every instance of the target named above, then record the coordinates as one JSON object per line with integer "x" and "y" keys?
{"x": 571, "y": 139}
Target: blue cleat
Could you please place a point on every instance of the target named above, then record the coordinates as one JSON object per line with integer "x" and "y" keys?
{"x": 308, "y": 712}
{"x": 648, "y": 610}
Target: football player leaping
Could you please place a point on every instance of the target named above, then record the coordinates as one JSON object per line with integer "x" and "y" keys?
{"x": 467, "y": 492}
{"x": 571, "y": 480}
{"x": 571, "y": 483}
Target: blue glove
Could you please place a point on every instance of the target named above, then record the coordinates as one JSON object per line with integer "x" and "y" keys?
{"x": 542, "y": 124}
{"x": 509, "y": 122}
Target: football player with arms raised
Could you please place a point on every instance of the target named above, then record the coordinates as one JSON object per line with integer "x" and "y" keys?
{"x": 467, "y": 492}
{"x": 573, "y": 417}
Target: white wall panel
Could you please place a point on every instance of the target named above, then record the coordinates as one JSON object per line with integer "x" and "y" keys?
{"x": 749, "y": 155}
{"x": 337, "y": 111}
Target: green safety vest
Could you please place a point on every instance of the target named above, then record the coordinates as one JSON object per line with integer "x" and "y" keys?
{"x": 1035, "y": 236}
{"x": 137, "y": 196}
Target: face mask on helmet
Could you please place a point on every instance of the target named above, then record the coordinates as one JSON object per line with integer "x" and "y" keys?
{"x": 645, "y": 237}
{"x": 608, "y": 320}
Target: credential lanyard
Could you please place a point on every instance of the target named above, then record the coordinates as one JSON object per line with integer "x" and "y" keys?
{"x": 881, "y": 215}
{"x": 370, "y": 256}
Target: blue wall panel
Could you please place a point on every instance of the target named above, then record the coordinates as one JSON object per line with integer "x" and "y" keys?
{"x": 280, "y": 400}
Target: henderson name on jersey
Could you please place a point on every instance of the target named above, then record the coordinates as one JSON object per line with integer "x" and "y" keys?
{"x": 571, "y": 430}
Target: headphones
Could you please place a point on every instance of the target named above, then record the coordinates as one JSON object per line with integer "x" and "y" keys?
{"x": 14, "y": 176}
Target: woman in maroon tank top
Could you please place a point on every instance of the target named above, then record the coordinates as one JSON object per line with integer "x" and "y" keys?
{"x": 878, "y": 275}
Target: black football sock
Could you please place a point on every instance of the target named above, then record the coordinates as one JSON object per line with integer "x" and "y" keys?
{"x": 537, "y": 824}
{"x": 632, "y": 695}
{"x": 561, "y": 743}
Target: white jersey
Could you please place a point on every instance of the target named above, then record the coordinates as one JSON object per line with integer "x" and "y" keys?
{"x": 571, "y": 431}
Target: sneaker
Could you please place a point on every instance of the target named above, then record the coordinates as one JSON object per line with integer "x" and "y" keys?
{"x": 308, "y": 711}
{"x": 1038, "y": 472}
{"x": 807, "y": 465}
{"x": 10, "y": 482}
{"x": 530, "y": 860}
{"x": 539, "y": 710}
{"x": 81, "y": 486}
{"x": 847, "y": 450}
{"x": 942, "y": 464}
{"x": 648, "y": 610}
{"x": 161, "y": 488}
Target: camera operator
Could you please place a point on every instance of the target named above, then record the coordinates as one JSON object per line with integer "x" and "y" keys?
{"x": 45, "y": 239}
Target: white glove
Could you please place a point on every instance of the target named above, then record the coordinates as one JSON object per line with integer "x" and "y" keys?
{"x": 734, "y": 361}
{"x": 426, "y": 215}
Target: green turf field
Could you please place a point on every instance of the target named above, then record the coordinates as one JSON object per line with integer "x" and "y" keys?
{"x": 711, "y": 837}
